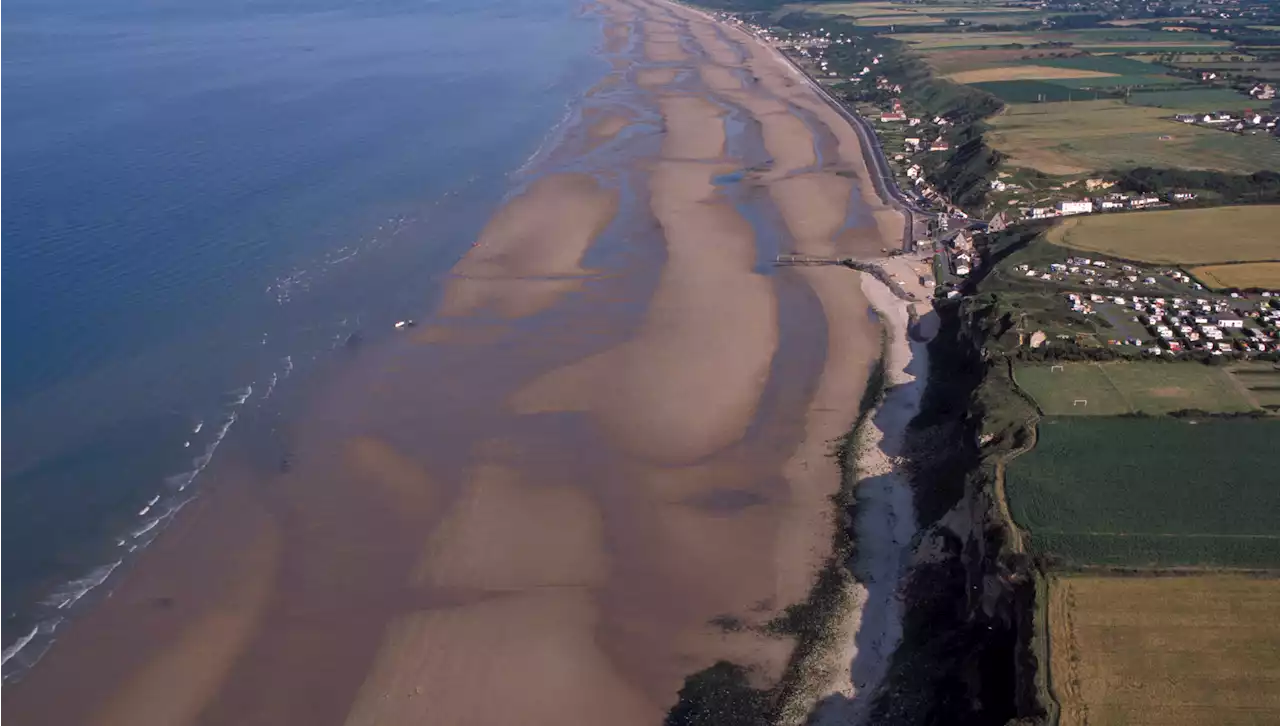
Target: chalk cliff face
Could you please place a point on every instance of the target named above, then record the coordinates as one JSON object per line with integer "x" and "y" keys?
{"x": 970, "y": 599}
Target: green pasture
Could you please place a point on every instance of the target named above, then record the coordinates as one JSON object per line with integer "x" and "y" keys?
{"x": 1149, "y": 80}
{"x": 1031, "y": 91}
{"x": 1101, "y": 63}
{"x": 1261, "y": 380}
{"x": 1196, "y": 99}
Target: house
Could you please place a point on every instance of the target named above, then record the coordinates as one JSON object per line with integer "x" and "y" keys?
{"x": 1180, "y": 196}
{"x": 939, "y": 146}
{"x": 893, "y": 116}
{"x": 1263, "y": 92}
{"x": 1230, "y": 322}
{"x": 1084, "y": 207}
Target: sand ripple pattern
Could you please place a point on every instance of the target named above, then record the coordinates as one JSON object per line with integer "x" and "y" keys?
{"x": 613, "y": 427}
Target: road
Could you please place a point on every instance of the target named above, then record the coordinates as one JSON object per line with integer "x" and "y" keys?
{"x": 877, "y": 164}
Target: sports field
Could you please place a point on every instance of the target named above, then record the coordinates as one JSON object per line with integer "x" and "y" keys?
{"x": 1085, "y": 136}
{"x": 1264, "y": 275}
{"x": 1177, "y": 236}
{"x": 1124, "y": 387}
{"x": 1165, "y": 651}
{"x": 1261, "y": 382}
{"x": 1150, "y": 492}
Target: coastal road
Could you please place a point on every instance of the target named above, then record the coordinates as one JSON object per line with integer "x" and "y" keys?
{"x": 878, "y": 165}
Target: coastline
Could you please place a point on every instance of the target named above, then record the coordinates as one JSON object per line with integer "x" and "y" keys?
{"x": 627, "y": 447}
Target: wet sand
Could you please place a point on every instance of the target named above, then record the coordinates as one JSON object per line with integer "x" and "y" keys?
{"x": 612, "y": 428}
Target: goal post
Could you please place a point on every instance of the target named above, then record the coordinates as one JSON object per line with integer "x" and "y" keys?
{"x": 1057, "y": 367}
{"x": 1080, "y": 402}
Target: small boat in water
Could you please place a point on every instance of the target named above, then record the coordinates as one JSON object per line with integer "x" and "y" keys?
{"x": 402, "y": 324}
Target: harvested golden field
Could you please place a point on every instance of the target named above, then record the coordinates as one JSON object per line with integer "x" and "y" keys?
{"x": 1165, "y": 651}
{"x": 1252, "y": 274}
{"x": 1077, "y": 137}
{"x": 1023, "y": 73}
{"x": 1177, "y": 236}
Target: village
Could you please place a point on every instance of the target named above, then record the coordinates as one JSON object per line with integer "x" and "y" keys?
{"x": 1163, "y": 311}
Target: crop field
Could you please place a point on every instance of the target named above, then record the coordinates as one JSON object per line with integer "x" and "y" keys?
{"x": 1162, "y": 47}
{"x": 1150, "y": 80}
{"x": 1263, "y": 275}
{"x": 1087, "y": 136}
{"x": 1031, "y": 91}
{"x": 1023, "y": 72}
{"x": 854, "y": 10}
{"x": 1195, "y": 100}
{"x": 1105, "y": 63}
{"x": 1150, "y": 492}
{"x": 927, "y": 41}
{"x": 1124, "y": 387}
{"x": 1165, "y": 651}
{"x": 1144, "y": 21}
{"x": 905, "y": 19}
{"x": 945, "y": 62}
{"x": 1178, "y": 236}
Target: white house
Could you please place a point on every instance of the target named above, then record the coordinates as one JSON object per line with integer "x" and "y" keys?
{"x": 1075, "y": 207}
{"x": 1230, "y": 322}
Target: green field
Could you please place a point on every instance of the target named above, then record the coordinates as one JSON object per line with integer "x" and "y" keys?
{"x": 1102, "y": 63}
{"x": 1262, "y": 382}
{"x": 1144, "y": 81}
{"x": 1151, "y": 491}
{"x": 1196, "y": 100}
{"x": 1179, "y": 236}
{"x": 1030, "y": 91}
{"x": 1123, "y": 387}
{"x": 1093, "y": 135}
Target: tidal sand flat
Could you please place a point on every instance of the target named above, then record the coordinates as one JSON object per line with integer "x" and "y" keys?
{"x": 540, "y": 523}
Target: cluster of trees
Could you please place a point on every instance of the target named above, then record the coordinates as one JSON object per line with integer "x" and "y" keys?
{"x": 1262, "y": 186}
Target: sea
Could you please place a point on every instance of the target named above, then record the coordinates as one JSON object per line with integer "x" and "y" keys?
{"x": 204, "y": 204}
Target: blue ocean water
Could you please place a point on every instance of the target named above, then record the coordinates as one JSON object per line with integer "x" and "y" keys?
{"x": 200, "y": 200}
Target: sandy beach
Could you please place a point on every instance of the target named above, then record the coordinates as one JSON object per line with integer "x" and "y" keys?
{"x": 613, "y": 428}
